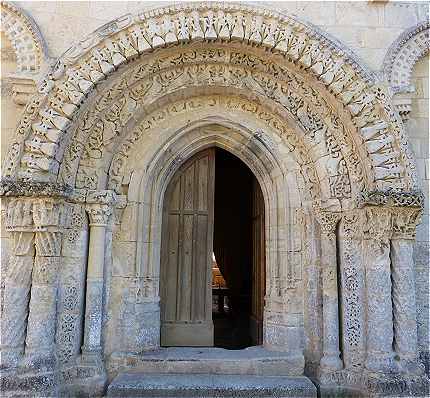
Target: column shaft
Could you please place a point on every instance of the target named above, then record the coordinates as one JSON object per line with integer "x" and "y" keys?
{"x": 92, "y": 347}
{"x": 378, "y": 290}
{"x": 330, "y": 360}
{"x": 94, "y": 290}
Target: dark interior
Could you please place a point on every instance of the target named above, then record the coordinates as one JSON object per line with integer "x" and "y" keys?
{"x": 233, "y": 251}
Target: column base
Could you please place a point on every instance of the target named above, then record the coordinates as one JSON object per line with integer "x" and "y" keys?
{"x": 382, "y": 363}
{"x": 91, "y": 356}
{"x": 38, "y": 360}
{"x": 330, "y": 363}
{"x": 10, "y": 358}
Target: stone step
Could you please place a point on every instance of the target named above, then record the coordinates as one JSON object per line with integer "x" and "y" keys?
{"x": 251, "y": 361}
{"x": 208, "y": 385}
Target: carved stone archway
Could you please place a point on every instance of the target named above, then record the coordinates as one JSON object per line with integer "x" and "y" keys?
{"x": 124, "y": 108}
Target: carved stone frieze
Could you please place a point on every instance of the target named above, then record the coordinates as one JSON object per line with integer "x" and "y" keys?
{"x": 391, "y": 198}
{"x": 14, "y": 188}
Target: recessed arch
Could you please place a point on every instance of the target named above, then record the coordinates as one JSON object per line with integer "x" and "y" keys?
{"x": 280, "y": 197}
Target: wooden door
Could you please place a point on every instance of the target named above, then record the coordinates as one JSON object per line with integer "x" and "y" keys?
{"x": 258, "y": 263}
{"x": 186, "y": 254}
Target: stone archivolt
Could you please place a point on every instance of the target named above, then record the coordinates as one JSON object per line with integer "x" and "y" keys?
{"x": 84, "y": 66}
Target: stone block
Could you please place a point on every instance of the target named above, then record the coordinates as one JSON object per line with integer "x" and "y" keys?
{"x": 123, "y": 258}
{"x": 358, "y": 14}
{"x": 354, "y": 38}
{"x": 403, "y": 15}
{"x": 318, "y": 13}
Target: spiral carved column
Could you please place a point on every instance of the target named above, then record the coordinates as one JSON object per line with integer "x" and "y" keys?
{"x": 49, "y": 218}
{"x": 16, "y": 294}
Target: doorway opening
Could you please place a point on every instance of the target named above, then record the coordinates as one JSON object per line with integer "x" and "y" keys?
{"x": 212, "y": 278}
{"x": 238, "y": 280}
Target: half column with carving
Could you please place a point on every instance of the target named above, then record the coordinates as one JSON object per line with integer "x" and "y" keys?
{"x": 376, "y": 247}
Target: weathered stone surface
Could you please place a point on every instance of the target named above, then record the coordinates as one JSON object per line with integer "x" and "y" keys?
{"x": 250, "y": 361}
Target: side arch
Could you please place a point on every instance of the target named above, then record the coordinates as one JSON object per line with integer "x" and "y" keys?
{"x": 403, "y": 54}
{"x": 26, "y": 38}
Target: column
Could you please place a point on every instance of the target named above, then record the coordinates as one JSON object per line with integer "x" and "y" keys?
{"x": 403, "y": 279}
{"x": 377, "y": 231}
{"x": 16, "y": 298}
{"x": 330, "y": 360}
{"x": 92, "y": 348}
{"x": 48, "y": 217}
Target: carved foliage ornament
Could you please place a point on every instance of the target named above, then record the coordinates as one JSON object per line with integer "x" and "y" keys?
{"x": 92, "y": 60}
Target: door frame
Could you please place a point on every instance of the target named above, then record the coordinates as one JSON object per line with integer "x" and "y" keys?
{"x": 280, "y": 192}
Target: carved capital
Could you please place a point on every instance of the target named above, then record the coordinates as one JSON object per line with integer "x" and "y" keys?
{"x": 49, "y": 213}
{"x": 99, "y": 213}
{"x": 28, "y": 214}
{"x": 352, "y": 225}
{"x": 405, "y": 221}
{"x": 328, "y": 221}
{"x": 19, "y": 215}
{"x": 377, "y": 225}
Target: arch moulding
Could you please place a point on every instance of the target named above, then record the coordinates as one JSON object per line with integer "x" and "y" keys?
{"x": 48, "y": 118}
